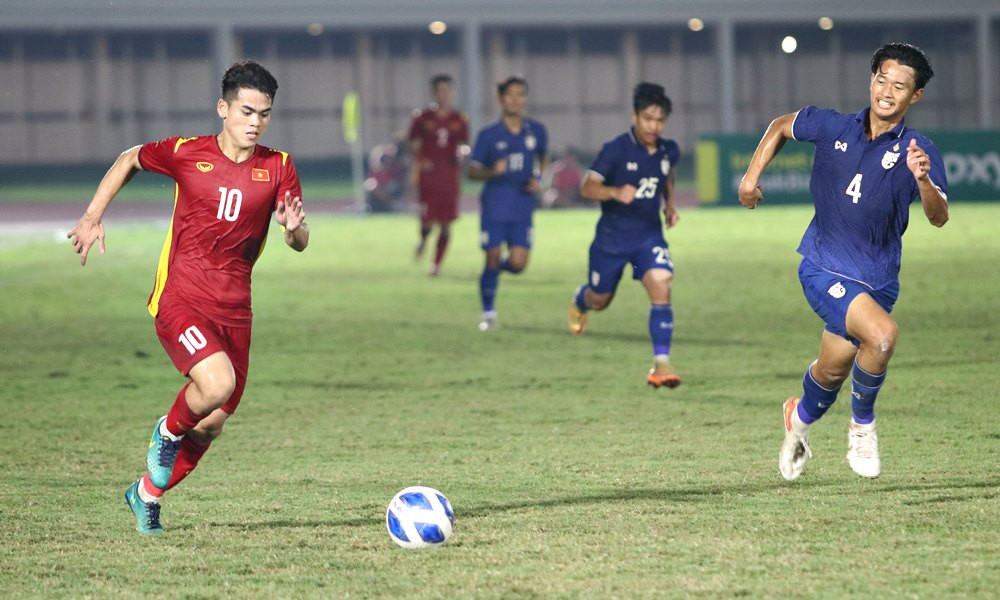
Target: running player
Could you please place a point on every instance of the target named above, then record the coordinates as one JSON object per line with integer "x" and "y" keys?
{"x": 437, "y": 135}
{"x": 509, "y": 155}
{"x": 633, "y": 179}
{"x": 851, "y": 249}
{"x": 227, "y": 188}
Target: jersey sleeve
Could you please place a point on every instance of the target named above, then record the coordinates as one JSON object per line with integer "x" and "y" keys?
{"x": 607, "y": 159}
{"x": 481, "y": 154}
{"x": 289, "y": 180}
{"x": 813, "y": 124}
{"x": 543, "y": 141}
{"x": 158, "y": 157}
{"x": 414, "y": 132}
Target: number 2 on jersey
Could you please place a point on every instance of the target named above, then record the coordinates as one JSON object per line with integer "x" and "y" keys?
{"x": 230, "y": 201}
{"x": 854, "y": 188}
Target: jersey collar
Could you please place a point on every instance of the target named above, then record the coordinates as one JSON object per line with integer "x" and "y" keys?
{"x": 660, "y": 144}
{"x": 897, "y": 131}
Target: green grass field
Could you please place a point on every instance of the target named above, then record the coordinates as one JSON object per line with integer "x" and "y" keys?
{"x": 569, "y": 477}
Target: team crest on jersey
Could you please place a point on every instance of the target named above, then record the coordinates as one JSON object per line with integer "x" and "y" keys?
{"x": 260, "y": 175}
{"x": 530, "y": 142}
{"x": 665, "y": 166}
{"x": 501, "y": 145}
{"x": 204, "y": 167}
{"x": 889, "y": 159}
{"x": 837, "y": 290}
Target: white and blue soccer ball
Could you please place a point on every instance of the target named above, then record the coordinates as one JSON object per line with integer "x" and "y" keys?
{"x": 419, "y": 517}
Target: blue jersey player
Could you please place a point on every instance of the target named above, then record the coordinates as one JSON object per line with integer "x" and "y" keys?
{"x": 509, "y": 155}
{"x": 633, "y": 179}
{"x": 868, "y": 168}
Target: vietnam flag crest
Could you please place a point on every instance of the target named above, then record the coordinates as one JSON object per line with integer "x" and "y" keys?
{"x": 260, "y": 175}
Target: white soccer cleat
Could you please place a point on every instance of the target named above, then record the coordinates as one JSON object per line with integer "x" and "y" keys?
{"x": 488, "y": 321}
{"x": 862, "y": 449}
{"x": 795, "y": 449}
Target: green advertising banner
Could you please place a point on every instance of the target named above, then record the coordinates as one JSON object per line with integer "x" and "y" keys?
{"x": 971, "y": 160}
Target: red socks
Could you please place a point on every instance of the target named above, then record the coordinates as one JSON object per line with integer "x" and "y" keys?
{"x": 442, "y": 246}
{"x": 180, "y": 418}
{"x": 187, "y": 459}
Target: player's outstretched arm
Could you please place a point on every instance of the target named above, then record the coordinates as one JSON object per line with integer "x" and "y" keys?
{"x": 774, "y": 138}
{"x": 934, "y": 203}
{"x": 482, "y": 173}
{"x": 593, "y": 188}
{"x": 670, "y": 214}
{"x": 90, "y": 228}
{"x": 290, "y": 215}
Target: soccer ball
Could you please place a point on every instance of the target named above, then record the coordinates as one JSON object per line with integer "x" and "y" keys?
{"x": 419, "y": 517}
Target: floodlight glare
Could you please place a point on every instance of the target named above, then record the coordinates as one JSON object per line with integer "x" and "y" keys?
{"x": 789, "y": 44}
{"x": 437, "y": 27}
{"x": 314, "y": 29}
{"x": 825, "y": 23}
{"x": 696, "y": 24}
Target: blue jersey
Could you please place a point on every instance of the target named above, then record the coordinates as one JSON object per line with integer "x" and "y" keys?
{"x": 622, "y": 161}
{"x": 862, "y": 191}
{"x": 506, "y": 198}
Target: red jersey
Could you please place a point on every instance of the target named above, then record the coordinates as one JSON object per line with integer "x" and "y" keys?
{"x": 222, "y": 211}
{"x": 440, "y": 136}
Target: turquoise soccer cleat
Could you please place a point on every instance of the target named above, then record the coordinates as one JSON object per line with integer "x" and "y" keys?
{"x": 161, "y": 457}
{"x": 147, "y": 514}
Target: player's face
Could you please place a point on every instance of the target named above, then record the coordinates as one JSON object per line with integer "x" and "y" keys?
{"x": 512, "y": 100}
{"x": 443, "y": 94}
{"x": 245, "y": 119}
{"x": 649, "y": 123}
{"x": 893, "y": 90}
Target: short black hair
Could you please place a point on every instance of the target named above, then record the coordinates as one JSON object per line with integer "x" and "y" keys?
{"x": 247, "y": 74}
{"x": 441, "y": 78}
{"x": 650, "y": 94}
{"x": 512, "y": 80}
{"x": 908, "y": 55}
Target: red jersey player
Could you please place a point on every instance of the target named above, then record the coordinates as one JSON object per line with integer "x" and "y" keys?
{"x": 436, "y": 135}
{"x": 227, "y": 187}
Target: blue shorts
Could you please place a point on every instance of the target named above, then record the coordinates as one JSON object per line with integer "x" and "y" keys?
{"x": 606, "y": 267}
{"x": 830, "y": 294}
{"x": 492, "y": 235}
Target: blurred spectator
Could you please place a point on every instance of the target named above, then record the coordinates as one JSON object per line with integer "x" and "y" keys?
{"x": 562, "y": 185}
{"x": 386, "y": 177}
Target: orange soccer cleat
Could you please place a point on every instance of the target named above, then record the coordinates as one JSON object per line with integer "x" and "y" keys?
{"x": 663, "y": 375}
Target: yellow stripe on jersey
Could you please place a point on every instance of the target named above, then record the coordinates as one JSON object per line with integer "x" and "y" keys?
{"x": 284, "y": 158}
{"x": 182, "y": 141}
{"x": 161, "y": 266}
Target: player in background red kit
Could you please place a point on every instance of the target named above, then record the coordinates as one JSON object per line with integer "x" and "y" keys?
{"x": 227, "y": 188}
{"x": 437, "y": 135}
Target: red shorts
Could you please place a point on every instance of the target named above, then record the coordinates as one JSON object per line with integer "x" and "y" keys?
{"x": 189, "y": 337}
{"x": 439, "y": 192}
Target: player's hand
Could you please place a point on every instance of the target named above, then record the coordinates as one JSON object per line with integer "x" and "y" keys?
{"x": 917, "y": 161}
{"x": 533, "y": 186}
{"x": 500, "y": 167}
{"x": 751, "y": 195}
{"x": 625, "y": 194}
{"x": 289, "y": 213}
{"x": 671, "y": 216}
{"x": 83, "y": 236}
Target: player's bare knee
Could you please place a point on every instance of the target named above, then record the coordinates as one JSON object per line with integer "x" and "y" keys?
{"x": 599, "y": 301}
{"x": 216, "y": 391}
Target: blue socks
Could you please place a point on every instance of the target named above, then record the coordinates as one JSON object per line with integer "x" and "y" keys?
{"x": 864, "y": 389}
{"x": 816, "y": 399}
{"x": 661, "y": 328}
{"x": 488, "y": 283}
{"x": 581, "y": 298}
